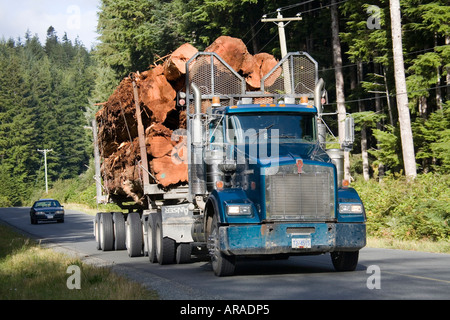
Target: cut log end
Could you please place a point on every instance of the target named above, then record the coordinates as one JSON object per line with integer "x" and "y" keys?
{"x": 157, "y": 90}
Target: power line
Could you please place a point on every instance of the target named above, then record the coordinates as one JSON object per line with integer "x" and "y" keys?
{"x": 278, "y": 10}
{"x": 390, "y": 95}
{"x": 369, "y": 62}
{"x": 255, "y": 33}
{"x": 273, "y": 38}
{"x": 290, "y": 7}
{"x": 323, "y": 7}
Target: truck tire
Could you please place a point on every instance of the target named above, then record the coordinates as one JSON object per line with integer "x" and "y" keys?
{"x": 144, "y": 225}
{"x": 151, "y": 241}
{"x": 97, "y": 230}
{"x": 183, "y": 253}
{"x": 106, "y": 232}
{"x": 345, "y": 260}
{"x": 119, "y": 231}
{"x": 222, "y": 264}
{"x": 165, "y": 247}
{"x": 134, "y": 235}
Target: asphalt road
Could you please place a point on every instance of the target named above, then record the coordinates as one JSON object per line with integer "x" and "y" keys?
{"x": 382, "y": 274}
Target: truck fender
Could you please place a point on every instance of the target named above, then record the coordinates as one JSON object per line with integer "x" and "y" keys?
{"x": 350, "y": 195}
{"x": 211, "y": 209}
{"x": 218, "y": 201}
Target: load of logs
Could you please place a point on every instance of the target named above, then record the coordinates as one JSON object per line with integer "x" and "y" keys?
{"x": 156, "y": 94}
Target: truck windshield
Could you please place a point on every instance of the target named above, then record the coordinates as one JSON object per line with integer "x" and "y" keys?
{"x": 286, "y": 127}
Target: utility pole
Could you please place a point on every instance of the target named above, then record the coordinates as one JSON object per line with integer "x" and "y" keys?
{"x": 280, "y": 21}
{"x": 45, "y": 151}
{"x": 97, "y": 177}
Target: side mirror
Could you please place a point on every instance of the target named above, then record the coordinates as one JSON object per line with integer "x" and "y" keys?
{"x": 318, "y": 96}
{"x": 349, "y": 139}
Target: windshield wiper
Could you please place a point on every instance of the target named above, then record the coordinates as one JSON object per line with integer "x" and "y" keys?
{"x": 266, "y": 128}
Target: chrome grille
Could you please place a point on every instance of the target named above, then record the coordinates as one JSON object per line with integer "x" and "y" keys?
{"x": 308, "y": 196}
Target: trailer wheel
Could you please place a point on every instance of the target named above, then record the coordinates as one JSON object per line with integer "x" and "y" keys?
{"x": 119, "y": 231}
{"x": 165, "y": 247}
{"x": 183, "y": 253}
{"x": 134, "y": 234}
{"x": 144, "y": 225}
{"x": 222, "y": 264}
{"x": 106, "y": 232}
{"x": 97, "y": 230}
{"x": 345, "y": 260}
{"x": 151, "y": 241}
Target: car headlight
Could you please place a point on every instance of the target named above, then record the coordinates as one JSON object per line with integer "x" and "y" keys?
{"x": 351, "y": 208}
{"x": 239, "y": 210}
{"x": 59, "y": 212}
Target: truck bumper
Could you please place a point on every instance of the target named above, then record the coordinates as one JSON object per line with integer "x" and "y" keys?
{"x": 291, "y": 238}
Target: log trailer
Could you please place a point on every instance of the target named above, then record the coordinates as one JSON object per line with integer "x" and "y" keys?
{"x": 261, "y": 182}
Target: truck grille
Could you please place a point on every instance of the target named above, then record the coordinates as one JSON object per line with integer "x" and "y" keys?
{"x": 309, "y": 196}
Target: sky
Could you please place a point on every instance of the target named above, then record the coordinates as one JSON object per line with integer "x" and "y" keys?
{"x": 78, "y": 18}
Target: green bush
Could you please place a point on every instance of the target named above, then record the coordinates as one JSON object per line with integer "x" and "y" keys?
{"x": 4, "y": 202}
{"x": 405, "y": 210}
{"x": 79, "y": 190}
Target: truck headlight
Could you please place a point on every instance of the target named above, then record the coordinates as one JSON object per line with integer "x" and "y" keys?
{"x": 239, "y": 210}
{"x": 351, "y": 208}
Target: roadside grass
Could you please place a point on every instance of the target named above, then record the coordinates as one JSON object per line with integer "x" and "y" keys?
{"x": 30, "y": 272}
{"x": 89, "y": 210}
{"x": 413, "y": 245}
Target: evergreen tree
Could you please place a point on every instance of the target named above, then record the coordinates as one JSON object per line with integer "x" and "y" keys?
{"x": 126, "y": 42}
{"x": 44, "y": 93}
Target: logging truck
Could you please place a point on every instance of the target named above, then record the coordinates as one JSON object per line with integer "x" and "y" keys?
{"x": 261, "y": 181}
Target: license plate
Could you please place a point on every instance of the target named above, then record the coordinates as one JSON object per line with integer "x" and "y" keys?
{"x": 49, "y": 216}
{"x": 301, "y": 243}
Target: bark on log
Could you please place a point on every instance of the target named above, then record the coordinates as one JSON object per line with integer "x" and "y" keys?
{"x": 232, "y": 50}
{"x": 157, "y": 94}
{"x": 157, "y": 88}
{"x": 175, "y": 65}
{"x": 265, "y": 63}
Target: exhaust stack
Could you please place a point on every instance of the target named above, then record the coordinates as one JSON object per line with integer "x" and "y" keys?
{"x": 197, "y": 177}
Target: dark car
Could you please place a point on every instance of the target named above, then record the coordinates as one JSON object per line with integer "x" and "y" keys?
{"x": 46, "y": 210}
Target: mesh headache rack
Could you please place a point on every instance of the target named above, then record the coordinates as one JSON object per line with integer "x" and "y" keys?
{"x": 294, "y": 76}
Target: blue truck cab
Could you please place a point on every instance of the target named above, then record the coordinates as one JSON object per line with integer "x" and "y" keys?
{"x": 263, "y": 179}
{"x": 282, "y": 197}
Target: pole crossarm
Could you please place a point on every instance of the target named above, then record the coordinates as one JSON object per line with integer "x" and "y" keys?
{"x": 281, "y": 19}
